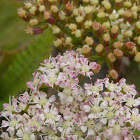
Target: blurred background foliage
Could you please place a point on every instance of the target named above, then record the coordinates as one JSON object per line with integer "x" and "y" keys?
{"x": 20, "y": 54}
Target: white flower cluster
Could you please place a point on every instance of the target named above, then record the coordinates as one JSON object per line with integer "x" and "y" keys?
{"x": 102, "y": 110}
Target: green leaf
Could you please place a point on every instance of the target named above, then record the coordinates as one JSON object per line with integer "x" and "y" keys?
{"x": 136, "y": 133}
{"x": 21, "y": 69}
{"x": 11, "y": 26}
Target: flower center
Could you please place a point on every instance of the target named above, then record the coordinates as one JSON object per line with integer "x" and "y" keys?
{"x": 52, "y": 80}
{"x": 135, "y": 118}
{"x": 67, "y": 91}
{"x": 49, "y": 116}
{"x": 13, "y": 123}
{"x": 109, "y": 115}
{"x": 66, "y": 124}
{"x": 35, "y": 123}
{"x": 10, "y": 108}
{"x": 43, "y": 101}
{"x": 48, "y": 65}
{"x": 94, "y": 88}
{"x": 85, "y": 68}
{"x": 117, "y": 129}
{"x": 131, "y": 101}
{"x": 35, "y": 82}
{"x": 96, "y": 109}
{"x": 50, "y": 132}
{"x": 26, "y": 137}
{"x": 79, "y": 133}
{"x": 90, "y": 124}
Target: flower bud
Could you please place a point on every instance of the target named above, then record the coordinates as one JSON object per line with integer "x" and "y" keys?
{"x": 28, "y": 4}
{"x": 88, "y": 9}
{"x": 111, "y": 57}
{"x": 21, "y": 13}
{"x": 128, "y": 16}
{"x": 117, "y": 45}
{"x": 134, "y": 8}
{"x": 56, "y": 30}
{"x": 107, "y": 5}
{"x": 41, "y": 8}
{"x": 88, "y": 23}
{"x": 62, "y": 15}
{"x": 106, "y": 37}
{"x": 86, "y": 49}
{"x": 114, "y": 31}
{"x": 138, "y": 25}
{"x": 79, "y": 19}
{"x": 123, "y": 26}
{"x": 94, "y": 2}
{"x": 58, "y": 42}
{"x": 78, "y": 33}
{"x": 128, "y": 33}
{"x": 34, "y": 31}
{"x": 72, "y": 26}
{"x": 79, "y": 50}
{"x": 137, "y": 57}
{"x": 51, "y": 20}
{"x": 101, "y": 15}
{"x": 138, "y": 41}
{"x": 29, "y": 30}
{"x": 69, "y": 6}
{"x": 120, "y": 37}
{"x": 113, "y": 16}
{"x": 120, "y": 12}
{"x": 75, "y": 12}
{"x": 89, "y": 40}
{"x": 113, "y": 73}
{"x": 135, "y": 15}
{"x": 127, "y": 4}
{"x": 40, "y": 2}
{"x": 81, "y": 9}
{"x": 54, "y": 9}
{"x": 34, "y": 22}
{"x": 130, "y": 45}
{"x": 96, "y": 26}
{"x": 106, "y": 25}
{"x": 99, "y": 48}
{"x": 118, "y": 53}
{"x": 68, "y": 40}
{"x": 32, "y": 10}
{"x": 47, "y": 15}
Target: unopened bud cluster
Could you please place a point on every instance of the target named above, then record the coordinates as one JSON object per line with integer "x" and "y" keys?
{"x": 116, "y": 25}
{"x": 57, "y": 107}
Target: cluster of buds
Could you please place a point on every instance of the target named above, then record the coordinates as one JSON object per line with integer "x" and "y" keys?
{"x": 98, "y": 111}
{"x": 83, "y": 23}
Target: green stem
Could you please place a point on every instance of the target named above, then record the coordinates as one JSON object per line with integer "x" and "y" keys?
{"x": 95, "y": 57}
{"x": 68, "y": 32}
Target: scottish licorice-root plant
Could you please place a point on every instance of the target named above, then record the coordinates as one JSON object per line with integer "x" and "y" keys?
{"x": 62, "y": 101}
